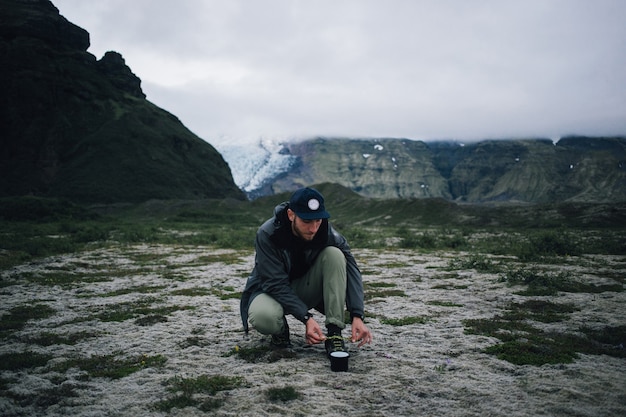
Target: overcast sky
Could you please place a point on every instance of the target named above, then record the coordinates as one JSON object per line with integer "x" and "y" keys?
{"x": 237, "y": 70}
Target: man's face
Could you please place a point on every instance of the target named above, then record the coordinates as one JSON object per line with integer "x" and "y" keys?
{"x": 304, "y": 229}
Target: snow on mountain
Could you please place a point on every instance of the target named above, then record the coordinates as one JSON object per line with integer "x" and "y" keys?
{"x": 255, "y": 163}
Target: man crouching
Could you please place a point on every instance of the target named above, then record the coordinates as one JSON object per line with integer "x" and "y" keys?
{"x": 301, "y": 263}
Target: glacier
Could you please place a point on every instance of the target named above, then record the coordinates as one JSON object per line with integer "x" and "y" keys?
{"x": 253, "y": 164}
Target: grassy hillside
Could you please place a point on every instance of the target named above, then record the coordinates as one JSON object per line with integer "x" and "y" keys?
{"x": 35, "y": 227}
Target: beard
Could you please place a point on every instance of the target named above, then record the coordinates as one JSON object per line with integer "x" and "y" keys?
{"x": 303, "y": 234}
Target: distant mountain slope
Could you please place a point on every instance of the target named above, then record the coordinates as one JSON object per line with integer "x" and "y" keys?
{"x": 76, "y": 127}
{"x": 579, "y": 169}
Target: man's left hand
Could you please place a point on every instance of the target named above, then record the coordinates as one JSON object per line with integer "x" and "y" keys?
{"x": 360, "y": 332}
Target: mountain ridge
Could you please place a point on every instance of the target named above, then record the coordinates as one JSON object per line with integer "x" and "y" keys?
{"x": 80, "y": 128}
{"x": 576, "y": 169}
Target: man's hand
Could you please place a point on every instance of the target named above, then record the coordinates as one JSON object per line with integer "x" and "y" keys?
{"x": 313, "y": 333}
{"x": 360, "y": 332}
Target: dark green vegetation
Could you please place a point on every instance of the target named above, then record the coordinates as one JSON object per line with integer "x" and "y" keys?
{"x": 35, "y": 227}
{"x": 17, "y": 317}
{"x": 81, "y": 128}
{"x": 381, "y": 289}
{"x": 111, "y": 366}
{"x": 107, "y": 366}
{"x": 260, "y": 354}
{"x": 550, "y": 283}
{"x": 287, "y": 393}
{"x": 23, "y": 360}
{"x": 522, "y": 343}
{"x": 198, "y": 392}
{"x": 404, "y": 321}
{"x": 101, "y": 366}
{"x": 143, "y": 311}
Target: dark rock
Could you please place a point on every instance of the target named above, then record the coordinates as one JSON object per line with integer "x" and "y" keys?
{"x": 115, "y": 69}
{"x": 82, "y": 129}
{"x": 40, "y": 19}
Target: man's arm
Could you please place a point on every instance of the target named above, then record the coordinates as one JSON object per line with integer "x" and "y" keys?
{"x": 273, "y": 270}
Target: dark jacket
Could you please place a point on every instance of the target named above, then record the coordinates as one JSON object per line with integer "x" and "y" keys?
{"x": 273, "y": 267}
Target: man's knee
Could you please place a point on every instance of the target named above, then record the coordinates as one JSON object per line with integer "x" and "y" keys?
{"x": 266, "y": 315}
{"x": 266, "y": 323}
{"x": 334, "y": 255}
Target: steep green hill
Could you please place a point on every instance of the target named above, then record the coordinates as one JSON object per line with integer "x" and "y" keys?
{"x": 76, "y": 127}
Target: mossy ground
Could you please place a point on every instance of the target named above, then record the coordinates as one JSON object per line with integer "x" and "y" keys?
{"x": 154, "y": 303}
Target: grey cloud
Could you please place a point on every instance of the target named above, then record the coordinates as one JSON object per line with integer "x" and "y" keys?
{"x": 404, "y": 68}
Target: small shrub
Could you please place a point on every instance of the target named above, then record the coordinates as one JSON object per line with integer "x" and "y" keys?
{"x": 17, "y": 361}
{"x": 192, "y": 292}
{"x": 382, "y": 290}
{"x": 444, "y": 239}
{"x": 91, "y": 233}
{"x": 284, "y": 394}
{"x": 136, "y": 233}
{"x": 67, "y": 279}
{"x": 360, "y": 237}
{"x": 404, "y": 321}
{"x": 610, "y": 340}
{"x": 549, "y": 244}
{"x": 251, "y": 354}
{"x": 37, "y": 209}
{"x": 17, "y": 317}
{"x": 109, "y": 366}
{"x": 526, "y": 352}
{"x": 443, "y": 303}
{"x": 150, "y": 320}
{"x": 205, "y": 384}
{"x": 381, "y": 285}
{"x": 539, "y": 310}
{"x": 543, "y": 283}
{"x": 524, "y": 344}
{"x": 425, "y": 241}
{"x": 505, "y": 330}
{"x": 186, "y": 391}
{"x": 49, "y": 338}
{"x": 130, "y": 310}
{"x": 179, "y": 401}
{"x": 194, "y": 341}
{"x": 478, "y": 262}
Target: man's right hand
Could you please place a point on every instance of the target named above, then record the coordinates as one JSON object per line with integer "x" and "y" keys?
{"x": 313, "y": 333}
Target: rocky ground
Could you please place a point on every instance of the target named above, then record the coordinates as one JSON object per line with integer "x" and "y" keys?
{"x": 169, "y": 315}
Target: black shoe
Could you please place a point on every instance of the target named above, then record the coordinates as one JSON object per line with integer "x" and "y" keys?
{"x": 334, "y": 344}
{"x": 282, "y": 340}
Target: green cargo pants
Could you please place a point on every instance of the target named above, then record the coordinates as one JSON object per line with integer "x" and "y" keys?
{"x": 324, "y": 283}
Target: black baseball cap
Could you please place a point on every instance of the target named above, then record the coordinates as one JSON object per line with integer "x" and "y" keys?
{"x": 308, "y": 204}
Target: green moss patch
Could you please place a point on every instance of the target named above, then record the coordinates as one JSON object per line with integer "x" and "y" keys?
{"x": 111, "y": 366}
{"x": 198, "y": 392}
{"x": 523, "y": 343}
